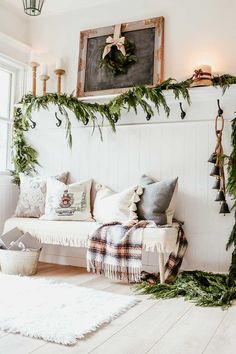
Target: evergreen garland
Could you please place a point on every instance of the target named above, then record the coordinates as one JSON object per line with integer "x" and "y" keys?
{"x": 24, "y": 156}
{"x": 224, "y": 81}
{"x": 204, "y": 289}
{"x": 231, "y": 187}
{"x": 139, "y": 96}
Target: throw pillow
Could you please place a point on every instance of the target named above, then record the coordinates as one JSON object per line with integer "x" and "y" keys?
{"x": 111, "y": 206}
{"x": 31, "y": 203}
{"x": 158, "y": 200}
{"x": 67, "y": 202}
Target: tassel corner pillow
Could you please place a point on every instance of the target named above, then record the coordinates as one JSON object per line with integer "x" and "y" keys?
{"x": 67, "y": 202}
{"x": 158, "y": 200}
{"x": 110, "y": 206}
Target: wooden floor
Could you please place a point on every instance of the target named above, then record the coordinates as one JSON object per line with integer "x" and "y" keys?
{"x": 154, "y": 327}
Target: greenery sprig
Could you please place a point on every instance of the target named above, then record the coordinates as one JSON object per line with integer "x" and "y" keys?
{"x": 202, "y": 288}
{"x": 224, "y": 81}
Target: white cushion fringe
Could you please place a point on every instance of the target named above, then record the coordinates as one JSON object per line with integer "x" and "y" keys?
{"x": 56, "y": 312}
{"x": 117, "y": 272}
{"x": 75, "y": 233}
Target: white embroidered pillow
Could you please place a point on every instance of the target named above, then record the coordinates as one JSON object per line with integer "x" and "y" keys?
{"x": 31, "y": 203}
{"x": 111, "y": 206}
{"x": 67, "y": 202}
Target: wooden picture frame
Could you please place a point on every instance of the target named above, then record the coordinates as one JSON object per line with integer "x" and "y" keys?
{"x": 148, "y": 71}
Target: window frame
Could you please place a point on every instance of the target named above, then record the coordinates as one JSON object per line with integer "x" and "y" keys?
{"x": 18, "y": 73}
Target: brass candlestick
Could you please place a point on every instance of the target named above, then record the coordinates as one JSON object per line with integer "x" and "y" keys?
{"x": 59, "y": 73}
{"x": 34, "y": 66}
{"x": 44, "y": 78}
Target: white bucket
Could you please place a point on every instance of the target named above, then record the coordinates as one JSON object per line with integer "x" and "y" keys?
{"x": 19, "y": 262}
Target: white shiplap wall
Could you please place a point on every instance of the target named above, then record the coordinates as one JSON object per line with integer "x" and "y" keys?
{"x": 162, "y": 149}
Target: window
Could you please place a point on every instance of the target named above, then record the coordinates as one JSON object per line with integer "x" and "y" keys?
{"x": 10, "y": 76}
{"x": 5, "y": 116}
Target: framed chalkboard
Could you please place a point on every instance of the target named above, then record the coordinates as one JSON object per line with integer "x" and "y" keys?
{"x": 148, "y": 36}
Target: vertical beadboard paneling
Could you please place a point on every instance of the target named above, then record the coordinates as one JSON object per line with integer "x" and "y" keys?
{"x": 165, "y": 149}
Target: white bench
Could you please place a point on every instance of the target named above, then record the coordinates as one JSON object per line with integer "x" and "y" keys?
{"x": 75, "y": 234}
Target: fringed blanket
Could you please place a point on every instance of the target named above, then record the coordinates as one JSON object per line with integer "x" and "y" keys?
{"x": 115, "y": 250}
{"x": 175, "y": 259}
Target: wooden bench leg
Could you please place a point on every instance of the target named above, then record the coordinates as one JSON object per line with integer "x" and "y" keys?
{"x": 161, "y": 267}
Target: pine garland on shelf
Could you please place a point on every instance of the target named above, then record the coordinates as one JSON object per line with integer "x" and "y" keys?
{"x": 137, "y": 97}
{"x": 224, "y": 81}
{"x": 205, "y": 289}
{"x": 85, "y": 112}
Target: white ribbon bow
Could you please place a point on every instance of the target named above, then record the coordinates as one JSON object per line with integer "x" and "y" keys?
{"x": 116, "y": 40}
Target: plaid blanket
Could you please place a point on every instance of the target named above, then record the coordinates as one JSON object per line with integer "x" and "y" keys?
{"x": 175, "y": 259}
{"x": 115, "y": 250}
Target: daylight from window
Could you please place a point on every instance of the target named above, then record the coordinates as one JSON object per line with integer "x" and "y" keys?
{"x": 5, "y": 112}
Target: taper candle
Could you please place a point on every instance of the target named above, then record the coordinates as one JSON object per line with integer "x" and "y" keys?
{"x": 43, "y": 69}
{"x": 59, "y": 63}
{"x": 33, "y": 58}
{"x": 59, "y": 73}
{"x": 34, "y": 65}
{"x": 44, "y": 79}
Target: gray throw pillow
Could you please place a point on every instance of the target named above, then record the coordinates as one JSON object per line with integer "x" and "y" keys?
{"x": 158, "y": 200}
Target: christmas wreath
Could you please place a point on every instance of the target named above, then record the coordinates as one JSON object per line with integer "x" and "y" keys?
{"x": 115, "y": 61}
{"x": 118, "y": 53}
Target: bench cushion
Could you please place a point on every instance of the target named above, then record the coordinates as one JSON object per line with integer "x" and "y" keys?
{"x": 75, "y": 233}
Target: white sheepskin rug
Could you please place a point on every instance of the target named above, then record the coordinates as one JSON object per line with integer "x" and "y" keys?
{"x": 56, "y": 312}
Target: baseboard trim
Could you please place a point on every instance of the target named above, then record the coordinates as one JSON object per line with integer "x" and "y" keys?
{"x": 63, "y": 260}
{"x": 80, "y": 262}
